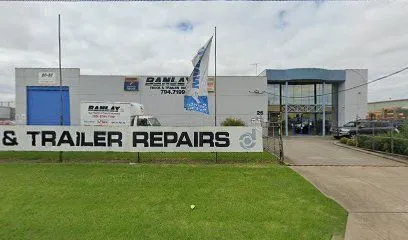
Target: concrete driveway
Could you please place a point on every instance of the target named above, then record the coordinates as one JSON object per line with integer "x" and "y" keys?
{"x": 372, "y": 189}
{"x": 321, "y": 151}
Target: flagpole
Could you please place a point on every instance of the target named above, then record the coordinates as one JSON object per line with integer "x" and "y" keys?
{"x": 215, "y": 76}
{"x": 215, "y": 83}
{"x": 60, "y": 72}
{"x": 60, "y": 79}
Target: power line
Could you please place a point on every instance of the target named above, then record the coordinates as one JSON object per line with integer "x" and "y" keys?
{"x": 351, "y": 88}
{"x": 146, "y": 0}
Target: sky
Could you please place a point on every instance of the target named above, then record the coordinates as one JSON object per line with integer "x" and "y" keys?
{"x": 161, "y": 38}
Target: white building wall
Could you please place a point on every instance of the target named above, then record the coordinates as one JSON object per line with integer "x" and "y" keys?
{"x": 235, "y": 96}
{"x": 29, "y": 77}
{"x": 353, "y": 102}
{"x": 233, "y": 99}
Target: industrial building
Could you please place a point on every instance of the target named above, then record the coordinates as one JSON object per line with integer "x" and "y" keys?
{"x": 390, "y": 109}
{"x": 379, "y": 105}
{"x": 303, "y": 96}
{"x": 7, "y": 111}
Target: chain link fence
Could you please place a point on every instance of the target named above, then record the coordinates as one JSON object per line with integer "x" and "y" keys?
{"x": 387, "y": 144}
{"x": 272, "y": 138}
{"x": 387, "y": 136}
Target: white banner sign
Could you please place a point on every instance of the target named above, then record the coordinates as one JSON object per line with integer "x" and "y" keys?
{"x": 131, "y": 139}
{"x": 105, "y": 114}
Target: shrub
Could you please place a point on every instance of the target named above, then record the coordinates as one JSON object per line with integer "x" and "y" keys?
{"x": 351, "y": 142}
{"x": 233, "y": 122}
{"x": 382, "y": 143}
{"x": 401, "y": 146}
{"x": 385, "y": 143}
{"x": 364, "y": 141}
{"x": 343, "y": 140}
{"x": 404, "y": 130}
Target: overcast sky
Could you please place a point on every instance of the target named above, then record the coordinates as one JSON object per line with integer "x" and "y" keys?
{"x": 156, "y": 38}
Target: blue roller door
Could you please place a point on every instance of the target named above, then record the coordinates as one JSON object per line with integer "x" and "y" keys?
{"x": 44, "y": 105}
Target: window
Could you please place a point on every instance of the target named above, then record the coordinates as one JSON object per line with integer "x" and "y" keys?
{"x": 154, "y": 122}
{"x": 350, "y": 124}
{"x": 365, "y": 125}
{"x": 326, "y": 95}
{"x": 381, "y": 124}
{"x": 299, "y": 94}
{"x": 273, "y": 94}
{"x": 142, "y": 122}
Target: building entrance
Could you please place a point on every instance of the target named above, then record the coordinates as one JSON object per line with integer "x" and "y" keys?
{"x": 305, "y": 123}
{"x": 303, "y": 106}
{"x": 301, "y": 123}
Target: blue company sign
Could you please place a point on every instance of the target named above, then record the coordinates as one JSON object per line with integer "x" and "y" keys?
{"x": 131, "y": 84}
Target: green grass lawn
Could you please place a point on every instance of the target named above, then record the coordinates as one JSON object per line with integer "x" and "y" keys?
{"x": 181, "y": 157}
{"x": 152, "y": 201}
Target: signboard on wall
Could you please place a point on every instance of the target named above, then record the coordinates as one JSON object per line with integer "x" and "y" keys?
{"x": 131, "y": 139}
{"x": 172, "y": 85}
{"x": 131, "y": 84}
{"x": 47, "y": 78}
{"x": 167, "y": 85}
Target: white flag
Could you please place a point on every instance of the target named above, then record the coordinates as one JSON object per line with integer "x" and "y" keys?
{"x": 196, "y": 96}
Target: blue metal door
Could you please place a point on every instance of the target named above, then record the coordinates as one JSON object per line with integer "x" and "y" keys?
{"x": 44, "y": 105}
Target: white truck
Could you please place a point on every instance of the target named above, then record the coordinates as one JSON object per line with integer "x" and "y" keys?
{"x": 115, "y": 114}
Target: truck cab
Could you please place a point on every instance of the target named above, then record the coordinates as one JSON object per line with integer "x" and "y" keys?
{"x": 144, "y": 121}
{"x": 139, "y": 119}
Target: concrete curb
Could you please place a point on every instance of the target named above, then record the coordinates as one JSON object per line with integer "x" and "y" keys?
{"x": 400, "y": 160}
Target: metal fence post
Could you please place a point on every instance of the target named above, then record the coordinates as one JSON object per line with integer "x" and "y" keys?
{"x": 281, "y": 154}
{"x": 267, "y": 136}
{"x": 273, "y": 137}
{"x": 392, "y": 141}
{"x": 356, "y": 131}
{"x": 372, "y": 130}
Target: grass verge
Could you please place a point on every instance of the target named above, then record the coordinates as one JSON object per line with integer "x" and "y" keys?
{"x": 180, "y": 157}
{"x": 150, "y": 201}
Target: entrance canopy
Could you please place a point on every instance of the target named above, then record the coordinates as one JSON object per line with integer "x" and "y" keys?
{"x": 304, "y": 75}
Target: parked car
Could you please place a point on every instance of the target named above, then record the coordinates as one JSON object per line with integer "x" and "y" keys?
{"x": 302, "y": 127}
{"x": 343, "y": 131}
{"x": 399, "y": 123}
{"x": 352, "y": 128}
